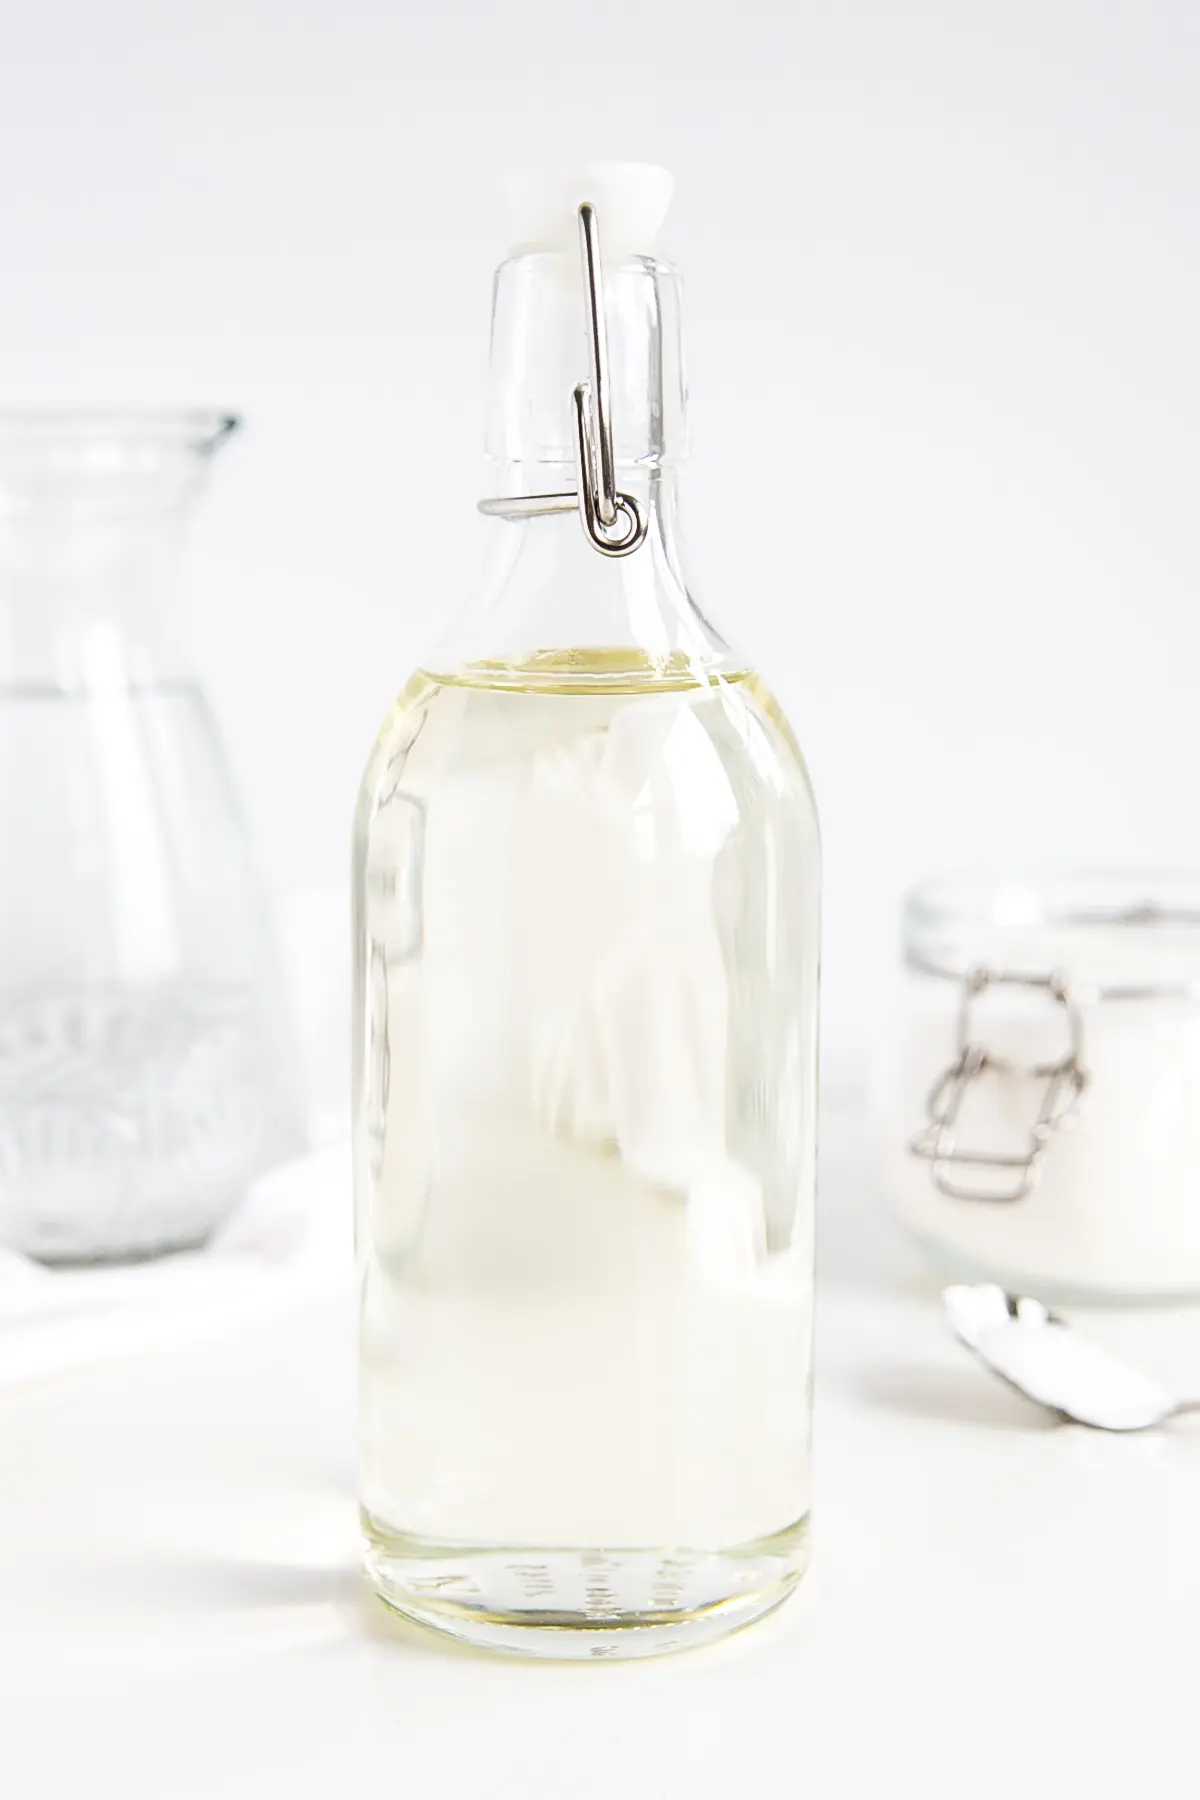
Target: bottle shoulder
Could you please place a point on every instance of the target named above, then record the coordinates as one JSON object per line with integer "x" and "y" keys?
{"x": 656, "y": 733}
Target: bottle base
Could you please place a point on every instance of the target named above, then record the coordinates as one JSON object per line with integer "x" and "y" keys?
{"x": 569, "y": 1605}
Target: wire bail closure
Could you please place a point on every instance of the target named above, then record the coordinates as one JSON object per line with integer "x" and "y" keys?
{"x": 602, "y": 508}
{"x": 1002, "y": 1177}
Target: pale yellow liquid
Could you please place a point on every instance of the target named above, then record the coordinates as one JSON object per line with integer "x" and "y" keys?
{"x": 587, "y": 941}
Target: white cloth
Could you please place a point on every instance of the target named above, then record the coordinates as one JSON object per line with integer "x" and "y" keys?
{"x": 292, "y": 1233}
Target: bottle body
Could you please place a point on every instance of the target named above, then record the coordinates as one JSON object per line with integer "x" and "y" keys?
{"x": 586, "y": 875}
{"x": 587, "y": 974}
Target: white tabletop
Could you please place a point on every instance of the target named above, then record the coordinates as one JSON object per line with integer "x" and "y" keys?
{"x": 1000, "y": 1605}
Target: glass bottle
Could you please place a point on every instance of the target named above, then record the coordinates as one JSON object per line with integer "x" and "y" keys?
{"x": 586, "y": 871}
{"x": 144, "y": 1074}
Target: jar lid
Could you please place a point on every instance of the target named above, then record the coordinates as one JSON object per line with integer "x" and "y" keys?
{"x": 1131, "y": 934}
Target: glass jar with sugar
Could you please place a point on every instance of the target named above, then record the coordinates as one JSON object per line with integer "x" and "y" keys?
{"x": 1043, "y": 1126}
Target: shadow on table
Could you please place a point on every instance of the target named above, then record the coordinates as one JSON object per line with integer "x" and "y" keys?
{"x": 946, "y": 1396}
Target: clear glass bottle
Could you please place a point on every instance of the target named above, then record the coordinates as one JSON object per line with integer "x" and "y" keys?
{"x": 586, "y": 862}
{"x": 144, "y": 1072}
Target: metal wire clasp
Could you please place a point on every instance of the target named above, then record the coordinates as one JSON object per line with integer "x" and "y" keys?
{"x": 603, "y": 509}
{"x": 1064, "y": 1083}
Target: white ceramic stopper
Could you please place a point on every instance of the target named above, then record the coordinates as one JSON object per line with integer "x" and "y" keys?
{"x": 631, "y": 201}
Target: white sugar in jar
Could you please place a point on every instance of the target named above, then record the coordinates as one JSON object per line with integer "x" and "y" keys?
{"x": 1042, "y": 1126}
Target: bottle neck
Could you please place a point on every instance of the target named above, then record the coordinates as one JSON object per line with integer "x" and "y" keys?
{"x": 549, "y": 590}
{"x": 655, "y": 486}
{"x": 539, "y": 353}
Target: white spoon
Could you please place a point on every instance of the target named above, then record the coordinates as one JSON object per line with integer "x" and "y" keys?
{"x": 1020, "y": 1340}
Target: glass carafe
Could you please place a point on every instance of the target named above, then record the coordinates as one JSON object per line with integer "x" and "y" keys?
{"x": 144, "y": 1070}
{"x": 586, "y": 938}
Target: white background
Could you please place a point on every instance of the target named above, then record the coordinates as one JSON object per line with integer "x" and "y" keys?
{"x": 944, "y": 286}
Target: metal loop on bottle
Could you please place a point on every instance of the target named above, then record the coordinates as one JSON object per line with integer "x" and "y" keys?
{"x": 1063, "y": 1081}
{"x": 602, "y": 507}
